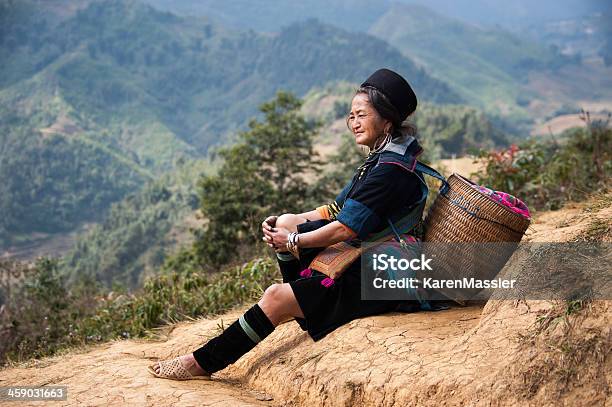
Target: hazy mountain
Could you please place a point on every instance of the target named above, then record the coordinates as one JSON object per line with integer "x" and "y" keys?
{"x": 485, "y": 65}
{"x": 514, "y": 14}
{"x": 358, "y": 15}
{"x": 587, "y": 36}
{"x": 479, "y": 48}
{"x": 273, "y": 15}
{"x": 117, "y": 56}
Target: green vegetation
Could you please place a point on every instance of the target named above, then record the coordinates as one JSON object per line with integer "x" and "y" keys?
{"x": 447, "y": 130}
{"x": 547, "y": 173}
{"x": 41, "y": 316}
{"x": 272, "y": 168}
{"x": 52, "y": 183}
{"x": 265, "y": 172}
{"x": 36, "y": 309}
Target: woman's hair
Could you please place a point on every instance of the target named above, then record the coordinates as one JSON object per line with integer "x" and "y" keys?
{"x": 387, "y": 111}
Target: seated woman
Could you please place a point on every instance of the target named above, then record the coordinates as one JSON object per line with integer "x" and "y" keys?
{"x": 381, "y": 189}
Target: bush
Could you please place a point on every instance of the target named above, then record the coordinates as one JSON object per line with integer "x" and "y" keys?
{"x": 37, "y": 310}
{"x": 547, "y": 173}
{"x": 173, "y": 296}
{"x": 39, "y": 316}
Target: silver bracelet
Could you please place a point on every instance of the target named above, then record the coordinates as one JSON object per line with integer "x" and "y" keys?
{"x": 293, "y": 240}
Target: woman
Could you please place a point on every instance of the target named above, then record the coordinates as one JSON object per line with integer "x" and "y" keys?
{"x": 385, "y": 186}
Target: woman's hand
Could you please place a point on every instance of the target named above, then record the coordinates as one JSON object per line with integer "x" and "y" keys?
{"x": 276, "y": 238}
{"x": 269, "y": 221}
{"x": 279, "y": 239}
{"x": 268, "y": 226}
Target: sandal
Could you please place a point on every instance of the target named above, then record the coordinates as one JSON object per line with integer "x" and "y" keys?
{"x": 174, "y": 370}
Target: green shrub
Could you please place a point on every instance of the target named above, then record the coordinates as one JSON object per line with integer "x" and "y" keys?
{"x": 173, "y": 296}
{"x": 547, "y": 173}
{"x": 39, "y": 316}
{"x": 37, "y": 313}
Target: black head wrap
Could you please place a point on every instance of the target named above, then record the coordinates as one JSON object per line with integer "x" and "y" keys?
{"x": 396, "y": 89}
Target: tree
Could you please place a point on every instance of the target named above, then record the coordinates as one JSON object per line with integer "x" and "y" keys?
{"x": 269, "y": 171}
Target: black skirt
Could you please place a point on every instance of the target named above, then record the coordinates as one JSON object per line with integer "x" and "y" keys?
{"x": 327, "y": 308}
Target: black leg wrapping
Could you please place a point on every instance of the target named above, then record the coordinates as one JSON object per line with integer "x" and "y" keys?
{"x": 239, "y": 338}
{"x": 289, "y": 266}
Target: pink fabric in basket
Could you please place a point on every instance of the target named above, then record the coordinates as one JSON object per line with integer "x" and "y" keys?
{"x": 504, "y": 198}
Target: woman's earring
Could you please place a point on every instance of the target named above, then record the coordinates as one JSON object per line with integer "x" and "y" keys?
{"x": 388, "y": 132}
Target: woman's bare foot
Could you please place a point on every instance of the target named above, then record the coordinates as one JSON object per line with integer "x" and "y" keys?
{"x": 189, "y": 363}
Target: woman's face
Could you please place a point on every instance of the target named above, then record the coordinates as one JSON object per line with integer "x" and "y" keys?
{"x": 365, "y": 122}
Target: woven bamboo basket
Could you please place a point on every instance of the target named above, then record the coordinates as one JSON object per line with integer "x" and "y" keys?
{"x": 465, "y": 215}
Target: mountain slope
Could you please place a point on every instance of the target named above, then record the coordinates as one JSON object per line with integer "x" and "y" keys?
{"x": 273, "y": 15}
{"x": 144, "y": 89}
{"x": 514, "y": 14}
{"x": 133, "y": 240}
{"x": 55, "y": 174}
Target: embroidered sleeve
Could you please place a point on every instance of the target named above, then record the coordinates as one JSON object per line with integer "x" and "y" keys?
{"x": 331, "y": 211}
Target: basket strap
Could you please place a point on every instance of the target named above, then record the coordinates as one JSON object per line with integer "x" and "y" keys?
{"x": 411, "y": 219}
{"x": 408, "y": 222}
{"x": 426, "y": 169}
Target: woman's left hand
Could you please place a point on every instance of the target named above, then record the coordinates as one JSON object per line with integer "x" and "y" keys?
{"x": 277, "y": 238}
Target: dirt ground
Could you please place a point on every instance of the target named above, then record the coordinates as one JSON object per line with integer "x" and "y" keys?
{"x": 498, "y": 353}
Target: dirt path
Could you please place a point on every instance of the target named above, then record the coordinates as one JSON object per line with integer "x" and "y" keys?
{"x": 116, "y": 373}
